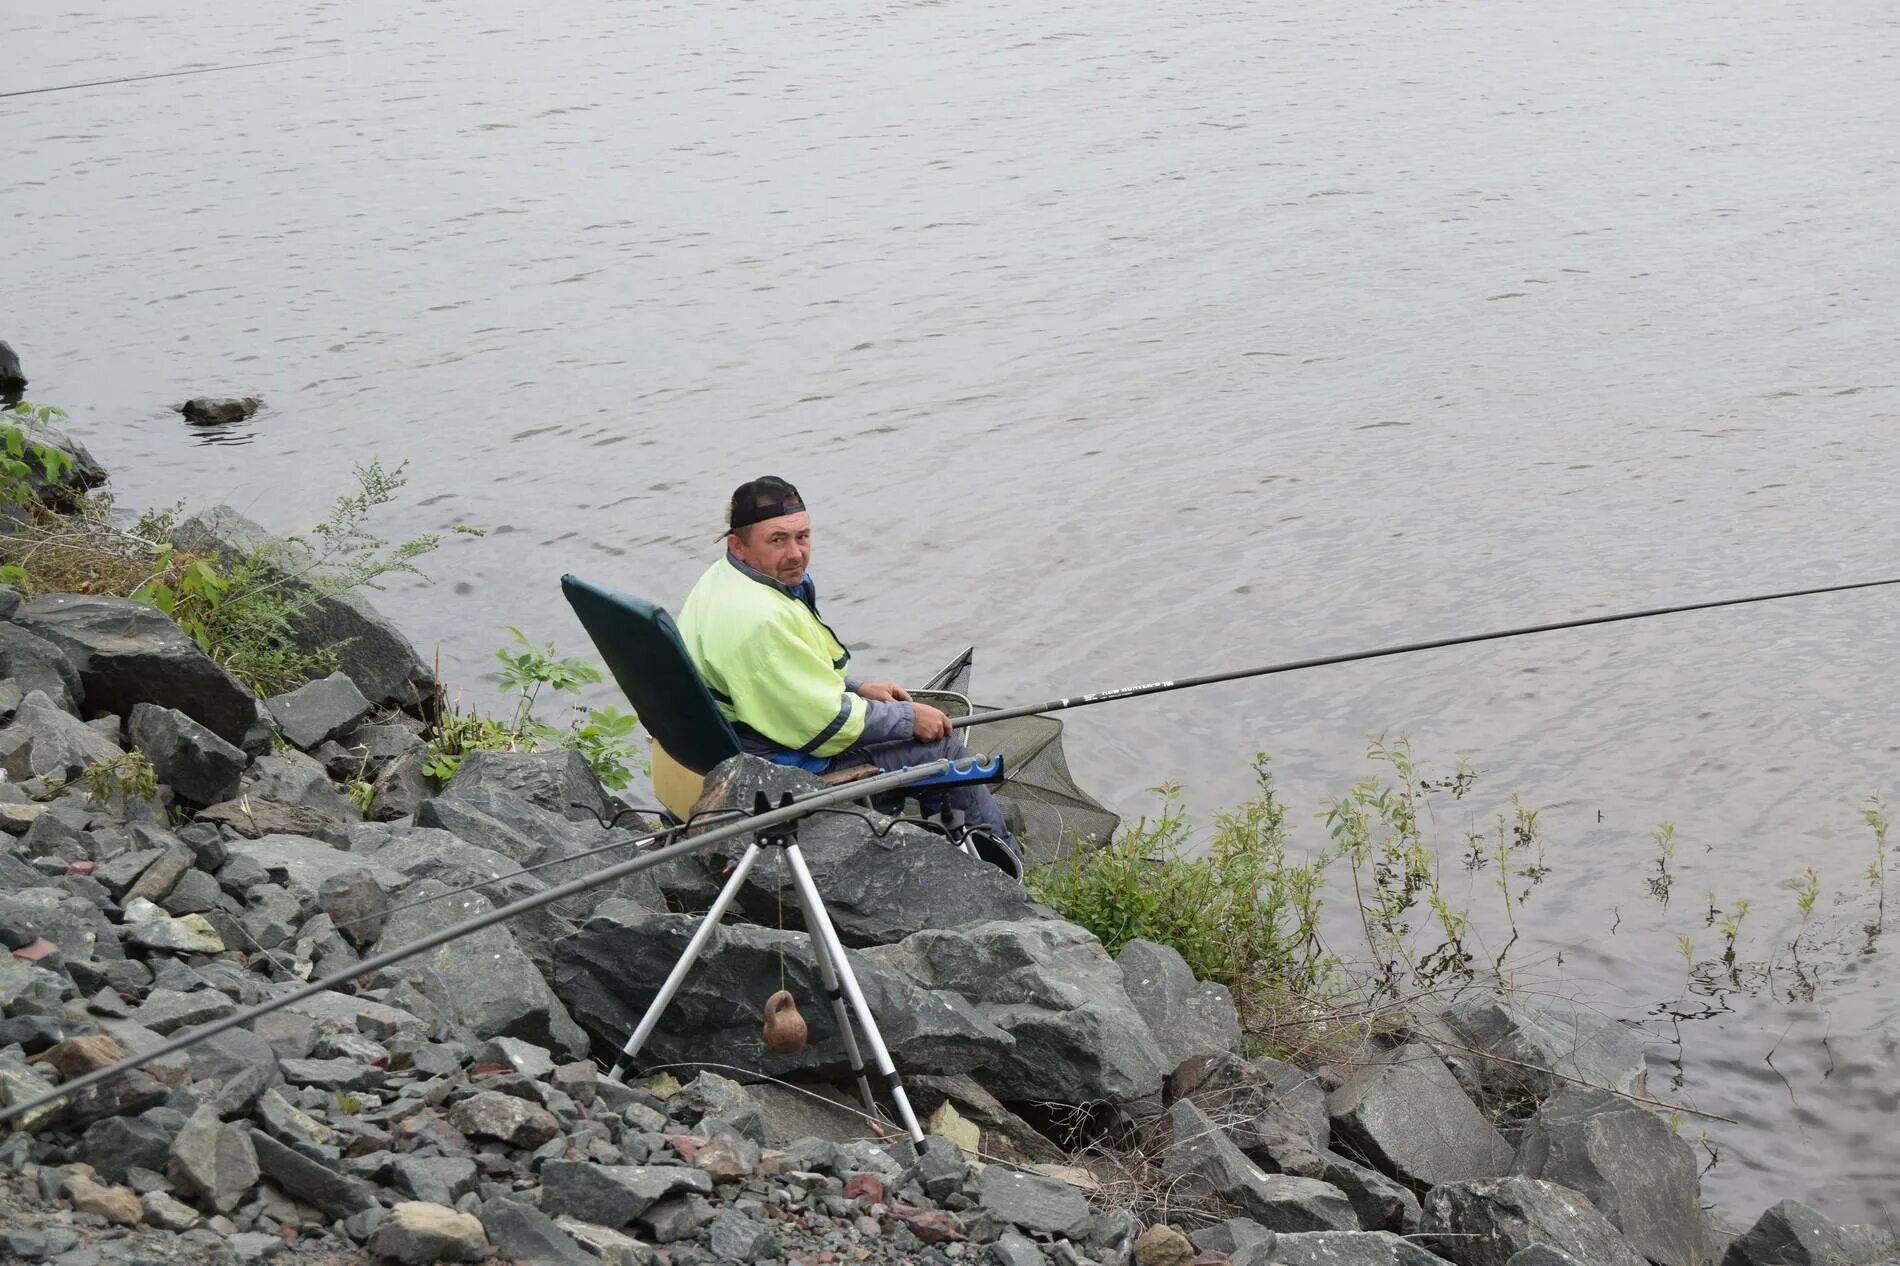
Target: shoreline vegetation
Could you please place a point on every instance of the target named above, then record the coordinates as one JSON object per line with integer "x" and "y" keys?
{"x": 225, "y": 774}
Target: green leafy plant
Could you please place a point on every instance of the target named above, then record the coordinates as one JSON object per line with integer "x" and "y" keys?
{"x": 603, "y": 736}
{"x": 22, "y": 460}
{"x": 1242, "y": 914}
{"x": 130, "y": 775}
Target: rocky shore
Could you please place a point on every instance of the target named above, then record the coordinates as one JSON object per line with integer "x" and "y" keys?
{"x": 454, "y": 1107}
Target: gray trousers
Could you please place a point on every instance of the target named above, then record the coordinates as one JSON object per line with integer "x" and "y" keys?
{"x": 979, "y": 807}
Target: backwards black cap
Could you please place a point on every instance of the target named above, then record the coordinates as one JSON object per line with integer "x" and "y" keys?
{"x": 757, "y": 500}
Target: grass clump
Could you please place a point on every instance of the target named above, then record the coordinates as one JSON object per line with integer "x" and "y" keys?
{"x": 1244, "y": 912}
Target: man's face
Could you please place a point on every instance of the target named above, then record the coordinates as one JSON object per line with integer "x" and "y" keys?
{"x": 781, "y": 547}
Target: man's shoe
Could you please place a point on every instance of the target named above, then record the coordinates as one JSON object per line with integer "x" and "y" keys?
{"x": 996, "y": 851}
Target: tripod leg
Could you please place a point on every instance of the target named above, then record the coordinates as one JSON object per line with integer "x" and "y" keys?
{"x": 835, "y": 995}
{"x": 820, "y": 923}
{"x": 644, "y": 1029}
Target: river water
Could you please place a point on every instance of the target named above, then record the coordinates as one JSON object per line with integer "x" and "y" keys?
{"x": 1124, "y": 341}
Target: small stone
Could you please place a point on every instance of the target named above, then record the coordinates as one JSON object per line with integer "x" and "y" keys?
{"x": 1162, "y": 1245}
{"x": 435, "y": 1179}
{"x": 213, "y": 1162}
{"x": 1033, "y": 1202}
{"x": 491, "y": 1114}
{"x": 356, "y": 904}
{"x": 254, "y": 1247}
{"x": 188, "y": 935}
{"x": 1013, "y": 1248}
{"x": 737, "y": 1238}
{"x": 417, "y": 1234}
{"x": 613, "y": 1195}
{"x": 522, "y": 1233}
{"x": 194, "y": 893}
{"x": 524, "y": 1057}
{"x": 79, "y": 1055}
{"x": 168, "y": 1214}
{"x": 114, "y": 1204}
{"x": 166, "y": 1010}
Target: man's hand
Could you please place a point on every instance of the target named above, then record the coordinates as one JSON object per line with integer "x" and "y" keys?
{"x": 884, "y": 692}
{"x": 930, "y": 724}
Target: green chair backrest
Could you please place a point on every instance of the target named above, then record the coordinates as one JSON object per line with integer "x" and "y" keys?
{"x": 644, "y": 652}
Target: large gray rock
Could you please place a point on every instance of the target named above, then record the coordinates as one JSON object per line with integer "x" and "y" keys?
{"x": 401, "y": 788}
{"x": 1202, "y": 1160}
{"x": 370, "y": 649}
{"x": 483, "y": 980}
{"x": 1343, "y": 1248}
{"x": 1263, "y": 1105}
{"x": 46, "y": 741}
{"x": 608, "y": 971}
{"x": 560, "y": 850}
{"x": 876, "y": 891}
{"x": 613, "y": 1195}
{"x": 1485, "y": 1221}
{"x": 318, "y": 710}
{"x": 1792, "y": 1234}
{"x": 311, "y": 1181}
{"x": 1033, "y": 1202}
{"x": 560, "y": 781}
{"x": 127, "y": 653}
{"x": 1407, "y": 1114}
{"x": 1540, "y": 1038}
{"x": 414, "y": 854}
{"x": 1635, "y": 1170}
{"x": 36, "y": 664}
{"x": 292, "y": 778}
{"x": 1382, "y": 1203}
{"x": 1187, "y": 1017}
{"x": 300, "y": 862}
{"x": 213, "y": 1163}
{"x": 199, "y": 767}
{"x": 1050, "y": 986}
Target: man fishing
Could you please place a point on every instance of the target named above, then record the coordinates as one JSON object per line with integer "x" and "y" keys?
{"x": 777, "y": 671}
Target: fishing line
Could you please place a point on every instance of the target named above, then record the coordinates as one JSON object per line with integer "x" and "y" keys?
{"x": 1321, "y": 661}
{"x": 167, "y": 74}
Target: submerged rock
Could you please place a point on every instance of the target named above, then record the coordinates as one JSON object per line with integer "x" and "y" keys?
{"x": 218, "y": 410}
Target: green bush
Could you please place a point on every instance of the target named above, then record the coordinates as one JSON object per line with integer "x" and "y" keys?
{"x": 1242, "y": 914}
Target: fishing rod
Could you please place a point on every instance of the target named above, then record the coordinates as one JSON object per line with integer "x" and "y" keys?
{"x": 165, "y": 74}
{"x": 1321, "y": 661}
{"x": 752, "y": 822}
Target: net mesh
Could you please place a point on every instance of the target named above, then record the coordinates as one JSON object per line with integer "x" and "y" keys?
{"x": 1049, "y": 813}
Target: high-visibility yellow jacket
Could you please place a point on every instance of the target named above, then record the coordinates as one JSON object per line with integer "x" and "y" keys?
{"x": 772, "y": 665}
